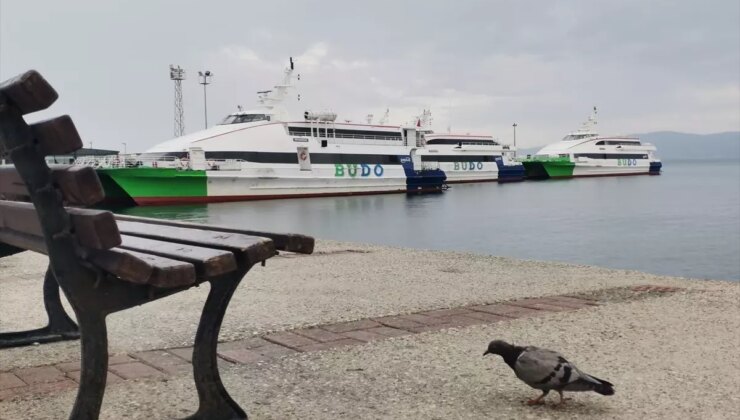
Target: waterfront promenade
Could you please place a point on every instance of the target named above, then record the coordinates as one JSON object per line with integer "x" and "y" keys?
{"x": 357, "y": 331}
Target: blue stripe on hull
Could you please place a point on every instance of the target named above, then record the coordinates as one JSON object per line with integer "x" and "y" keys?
{"x": 655, "y": 168}
{"x": 426, "y": 180}
{"x": 509, "y": 173}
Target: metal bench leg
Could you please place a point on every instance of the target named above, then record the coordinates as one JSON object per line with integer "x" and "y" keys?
{"x": 60, "y": 327}
{"x": 215, "y": 401}
{"x": 94, "y": 365}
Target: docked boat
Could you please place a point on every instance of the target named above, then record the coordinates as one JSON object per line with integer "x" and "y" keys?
{"x": 263, "y": 154}
{"x": 471, "y": 158}
{"x": 586, "y": 153}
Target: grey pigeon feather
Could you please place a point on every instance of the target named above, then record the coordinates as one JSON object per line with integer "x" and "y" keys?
{"x": 547, "y": 370}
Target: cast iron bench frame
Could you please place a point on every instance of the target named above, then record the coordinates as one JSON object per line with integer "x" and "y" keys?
{"x": 105, "y": 263}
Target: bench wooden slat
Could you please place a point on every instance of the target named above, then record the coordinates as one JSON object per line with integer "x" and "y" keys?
{"x": 30, "y": 92}
{"x": 208, "y": 262}
{"x": 301, "y": 244}
{"x": 254, "y": 248}
{"x": 142, "y": 268}
{"x": 57, "y": 136}
{"x": 79, "y": 184}
{"x": 95, "y": 229}
{"x": 130, "y": 266}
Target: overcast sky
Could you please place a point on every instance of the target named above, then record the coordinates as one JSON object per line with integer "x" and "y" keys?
{"x": 479, "y": 65}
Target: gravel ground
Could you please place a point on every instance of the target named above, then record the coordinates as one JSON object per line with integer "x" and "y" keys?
{"x": 340, "y": 282}
{"x": 669, "y": 357}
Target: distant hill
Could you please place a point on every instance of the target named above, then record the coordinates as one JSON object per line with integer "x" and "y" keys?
{"x": 686, "y": 146}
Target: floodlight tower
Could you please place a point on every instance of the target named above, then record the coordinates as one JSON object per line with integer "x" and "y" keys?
{"x": 205, "y": 80}
{"x": 178, "y": 75}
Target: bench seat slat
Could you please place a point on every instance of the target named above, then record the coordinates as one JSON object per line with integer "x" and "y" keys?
{"x": 130, "y": 266}
{"x": 208, "y": 262}
{"x": 301, "y": 244}
{"x": 94, "y": 229}
{"x": 80, "y": 185}
{"x": 254, "y": 248}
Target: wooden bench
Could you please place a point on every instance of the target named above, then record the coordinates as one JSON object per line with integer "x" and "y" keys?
{"x": 105, "y": 263}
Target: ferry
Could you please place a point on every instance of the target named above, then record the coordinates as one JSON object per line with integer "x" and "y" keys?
{"x": 471, "y": 158}
{"x": 585, "y": 153}
{"x": 263, "y": 154}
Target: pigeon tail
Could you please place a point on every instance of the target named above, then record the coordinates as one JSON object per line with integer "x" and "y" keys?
{"x": 590, "y": 383}
{"x": 604, "y": 387}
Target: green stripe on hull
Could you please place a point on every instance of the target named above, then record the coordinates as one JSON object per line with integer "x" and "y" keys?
{"x": 559, "y": 169}
{"x": 153, "y": 182}
{"x": 543, "y": 168}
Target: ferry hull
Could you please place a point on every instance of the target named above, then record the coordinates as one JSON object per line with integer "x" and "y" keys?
{"x": 168, "y": 186}
{"x": 567, "y": 169}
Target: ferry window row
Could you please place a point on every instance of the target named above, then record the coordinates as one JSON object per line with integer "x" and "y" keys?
{"x": 316, "y": 158}
{"x": 344, "y": 133}
{"x": 467, "y": 158}
{"x": 617, "y": 142}
{"x": 611, "y": 156}
{"x": 245, "y": 118}
{"x": 463, "y": 142}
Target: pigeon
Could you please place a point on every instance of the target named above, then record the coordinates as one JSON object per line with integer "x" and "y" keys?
{"x": 547, "y": 370}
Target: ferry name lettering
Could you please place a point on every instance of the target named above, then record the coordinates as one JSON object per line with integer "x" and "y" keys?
{"x": 351, "y": 169}
{"x": 627, "y": 162}
{"x": 468, "y": 166}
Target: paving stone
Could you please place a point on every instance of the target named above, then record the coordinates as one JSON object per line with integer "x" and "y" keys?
{"x": 112, "y": 378}
{"x": 319, "y": 334}
{"x": 388, "y": 331}
{"x": 116, "y": 359}
{"x": 164, "y": 361}
{"x": 566, "y": 304}
{"x": 540, "y": 306}
{"x": 507, "y": 310}
{"x": 120, "y": 358}
{"x": 425, "y": 319}
{"x": 49, "y": 387}
{"x": 289, "y": 339}
{"x": 69, "y": 366}
{"x": 575, "y": 300}
{"x": 9, "y": 380}
{"x": 135, "y": 370}
{"x": 185, "y": 353}
{"x": 460, "y": 321}
{"x": 40, "y": 374}
{"x": 242, "y": 356}
{"x": 362, "y": 324}
{"x": 247, "y": 343}
{"x": 430, "y": 328}
{"x": 445, "y": 312}
{"x": 398, "y": 322}
{"x": 329, "y": 345}
{"x": 275, "y": 351}
{"x": 364, "y": 335}
{"x": 485, "y": 316}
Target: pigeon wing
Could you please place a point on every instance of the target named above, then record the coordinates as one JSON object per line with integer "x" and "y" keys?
{"x": 545, "y": 369}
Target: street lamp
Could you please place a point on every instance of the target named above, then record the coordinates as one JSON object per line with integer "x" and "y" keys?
{"x": 205, "y": 80}
{"x": 514, "y": 125}
{"x": 124, "y": 148}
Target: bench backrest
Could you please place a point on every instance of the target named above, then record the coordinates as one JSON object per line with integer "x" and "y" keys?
{"x": 33, "y": 195}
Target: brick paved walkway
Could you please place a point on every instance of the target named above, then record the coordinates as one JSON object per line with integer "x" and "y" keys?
{"x": 161, "y": 363}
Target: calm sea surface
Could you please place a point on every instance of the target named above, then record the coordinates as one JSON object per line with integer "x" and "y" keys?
{"x": 685, "y": 222}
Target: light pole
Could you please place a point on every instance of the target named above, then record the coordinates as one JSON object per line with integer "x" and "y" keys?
{"x": 205, "y": 80}
{"x": 514, "y": 125}
{"x": 124, "y": 148}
